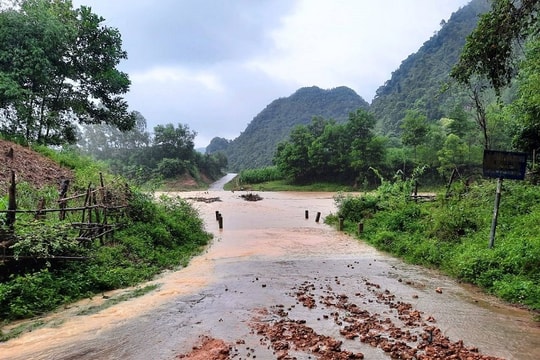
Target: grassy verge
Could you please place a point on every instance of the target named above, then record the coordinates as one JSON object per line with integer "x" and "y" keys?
{"x": 140, "y": 291}
{"x": 28, "y": 326}
{"x": 452, "y": 234}
{"x": 283, "y": 185}
{"x": 160, "y": 235}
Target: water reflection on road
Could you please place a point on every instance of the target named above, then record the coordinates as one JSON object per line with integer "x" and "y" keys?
{"x": 264, "y": 249}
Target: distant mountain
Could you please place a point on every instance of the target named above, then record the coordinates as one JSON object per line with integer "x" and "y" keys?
{"x": 255, "y": 147}
{"x": 417, "y": 83}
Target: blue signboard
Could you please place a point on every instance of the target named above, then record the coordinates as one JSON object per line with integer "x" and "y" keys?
{"x": 504, "y": 164}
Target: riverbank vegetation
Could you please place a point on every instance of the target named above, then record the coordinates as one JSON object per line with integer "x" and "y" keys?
{"x": 452, "y": 233}
{"x": 270, "y": 178}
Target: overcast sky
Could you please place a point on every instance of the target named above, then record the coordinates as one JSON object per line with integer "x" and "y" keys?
{"x": 215, "y": 64}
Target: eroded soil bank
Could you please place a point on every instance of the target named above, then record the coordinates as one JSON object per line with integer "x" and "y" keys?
{"x": 275, "y": 285}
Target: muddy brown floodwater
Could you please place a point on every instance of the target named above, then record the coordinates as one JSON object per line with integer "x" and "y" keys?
{"x": 274, "y": 285}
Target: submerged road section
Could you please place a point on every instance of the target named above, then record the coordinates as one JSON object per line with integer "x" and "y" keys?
{"x": 277, "y": 285}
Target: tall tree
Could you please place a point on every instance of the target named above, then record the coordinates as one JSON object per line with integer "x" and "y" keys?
{"x": 329, "y": 152}
{"x": 57, "y": 68}
{"x": 526, "y": 108}
{"x": 366, "y": 149}
{"x": 489, "y": 51}
{"x": 174, "y": 143}
{"x": 414, "y": 129}
{"x": 453, "y": 154}
{"x": 325, "y": 150}
{"x": 106, "y": 141}
{"x": 459, "y": 124}
{"x": 292, "y": 156}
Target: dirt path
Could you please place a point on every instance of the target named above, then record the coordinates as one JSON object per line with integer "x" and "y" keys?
{"x": 275, "y": 285}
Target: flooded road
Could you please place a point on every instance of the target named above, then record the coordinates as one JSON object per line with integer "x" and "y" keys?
{"x": 269, "y": 267}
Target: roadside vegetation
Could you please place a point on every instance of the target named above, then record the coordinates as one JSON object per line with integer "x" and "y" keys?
{"x": 452, "y": 233}
{"x": 270, "y": 178}
{"x": 156, "y": 235}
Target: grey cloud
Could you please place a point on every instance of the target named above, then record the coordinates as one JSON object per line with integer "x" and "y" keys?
{"x": 193, "y": 33}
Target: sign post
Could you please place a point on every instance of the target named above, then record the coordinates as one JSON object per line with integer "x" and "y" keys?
{"x": 495, "y": 213}
{"x": 502, "y": 165}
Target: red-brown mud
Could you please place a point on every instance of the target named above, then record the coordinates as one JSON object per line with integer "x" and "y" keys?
{"x": 209, "y": 349}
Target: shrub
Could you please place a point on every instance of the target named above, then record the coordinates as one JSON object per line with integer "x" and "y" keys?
{"x": 518, "y": 289}
{"x": 452, "y": 223}
{"x": 453, "y": 234}
{"x": 357, "y": 208}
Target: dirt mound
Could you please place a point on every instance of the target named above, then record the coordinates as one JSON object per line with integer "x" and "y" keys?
{"x": 29, "y": 166}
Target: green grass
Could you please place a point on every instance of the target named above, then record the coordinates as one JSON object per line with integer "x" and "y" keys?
{"x": 156, "y": 236}
{"x": 138, "y": 292}
{"x": 21, "y": 329}
{"x": 284, "y": 185}
{"x": 452, "y": 234}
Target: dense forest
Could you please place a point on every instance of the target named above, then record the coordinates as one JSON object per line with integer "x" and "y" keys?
{"x": 422, "y": 78}
{"x": 421, "y": 84}
{"x": 256, "y": 146}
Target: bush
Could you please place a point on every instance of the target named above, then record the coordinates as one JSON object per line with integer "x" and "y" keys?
{"x": 454, "y": 222}
{"x": 158, "y": 235}
{"x": 171, "y": 168}
{"x": 518, "y": 289}
{"x": 453, "y": 234}
{"x": 30, "y": 295}
{"x": 384, "y": 240}
{"x": 357, "y": 208}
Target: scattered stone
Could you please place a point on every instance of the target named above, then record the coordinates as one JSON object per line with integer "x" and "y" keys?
{"x": 405, "y": 336}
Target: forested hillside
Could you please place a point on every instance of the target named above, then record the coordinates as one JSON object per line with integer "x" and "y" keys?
{"x": 419, "y": 81}
{"x": 256, "y": 146}
{"x": 417, "y": 84}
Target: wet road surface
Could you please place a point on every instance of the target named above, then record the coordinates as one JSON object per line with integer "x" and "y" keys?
{"x": 269, "y": 267}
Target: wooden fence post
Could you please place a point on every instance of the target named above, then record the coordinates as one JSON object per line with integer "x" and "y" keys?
{"x": 61, "y": 201}
{"x": 12, "y": 202}
{"x": 40, "y": 215}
